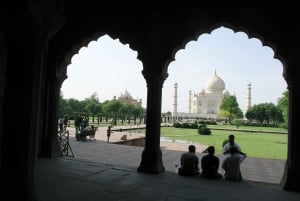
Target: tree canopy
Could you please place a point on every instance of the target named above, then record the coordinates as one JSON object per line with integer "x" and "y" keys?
{"x": 230, "y": 108}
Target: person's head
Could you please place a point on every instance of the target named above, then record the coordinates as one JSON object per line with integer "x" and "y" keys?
{"x": 192, "y": 149}
{"x": 109, "y": 127}
{"x": 211, "y": 150}
{"x": 231, "y": 139}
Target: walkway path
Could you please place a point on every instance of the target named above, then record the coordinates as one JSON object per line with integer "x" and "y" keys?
{"x": 98, "y": 150}
{"x": 103, "y": 171}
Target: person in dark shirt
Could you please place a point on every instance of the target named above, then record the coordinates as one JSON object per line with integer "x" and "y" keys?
{"x": 189, "y": 163}
{"x": 210, "y": 164}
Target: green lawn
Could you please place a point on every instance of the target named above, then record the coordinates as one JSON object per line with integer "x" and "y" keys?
{"x": 254, "y": 144}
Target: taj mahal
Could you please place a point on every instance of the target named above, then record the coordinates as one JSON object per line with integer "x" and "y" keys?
{"x": 206, "y": 103}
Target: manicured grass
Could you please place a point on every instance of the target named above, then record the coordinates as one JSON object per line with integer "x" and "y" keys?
{"x": 254, "y": 144}
{"x": 254, "y": 128}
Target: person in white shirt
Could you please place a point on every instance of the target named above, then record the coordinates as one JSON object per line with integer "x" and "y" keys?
{"x": 231, "y": 164}
{"x": 231, "y": 143}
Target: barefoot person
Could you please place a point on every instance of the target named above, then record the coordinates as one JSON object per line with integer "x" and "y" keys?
{"x": 108, "y": 133}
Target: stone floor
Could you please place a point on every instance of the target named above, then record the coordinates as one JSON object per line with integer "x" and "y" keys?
{"x": 107, "y": 171}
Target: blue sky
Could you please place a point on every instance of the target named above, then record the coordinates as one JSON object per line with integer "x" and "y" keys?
{"x": 109, "y": 67}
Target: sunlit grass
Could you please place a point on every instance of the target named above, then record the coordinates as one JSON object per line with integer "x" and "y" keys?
{"x": 254, "y": 144}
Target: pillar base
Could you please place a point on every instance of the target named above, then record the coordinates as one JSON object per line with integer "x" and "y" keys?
{"x": 151, "y": 162}
{"x": 291, "y": 179}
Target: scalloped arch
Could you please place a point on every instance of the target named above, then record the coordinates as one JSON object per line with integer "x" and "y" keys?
{"x": 85, "y": 43}
{"x": 235, "y": 29}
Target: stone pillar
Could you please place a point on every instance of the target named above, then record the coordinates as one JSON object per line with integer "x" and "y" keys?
{"x": 152, "y": 156}
{"x": 49, "y": 145}
{"x": 35, "y": 23}
{"x": 18, "y": 148}
{"x": 291, "y": 177}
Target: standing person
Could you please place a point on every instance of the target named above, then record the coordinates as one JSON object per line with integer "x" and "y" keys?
{"x": 231, "y": 143}
{"x": 85, "y": 122}
{"x": 66, "y": 122}
{"x": 108, "y": 133}
{"x": 61, "y": 124}
{"x": 77, "y": 127}
{"x": 210, "y": 164}
{"x": 231, "y": 164}
{"x": 189, "y": 163}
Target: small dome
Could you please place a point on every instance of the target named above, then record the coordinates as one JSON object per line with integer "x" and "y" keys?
{"x": 126, "y": 94}
{"x": 215, "y": 83}
{"x": 226, "y": 93}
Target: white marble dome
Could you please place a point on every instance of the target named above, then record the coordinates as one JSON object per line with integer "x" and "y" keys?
{"x": 215, "y": 83}
{"x": 226, "y": 93}
{"x": 126, "y": 94}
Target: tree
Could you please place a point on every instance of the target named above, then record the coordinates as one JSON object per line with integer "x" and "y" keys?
{"x": 112, "y": 108}
{"x": 230, "y": 108}
{"x": 283, "y": 105}
{"x": 250, "y": 115}
{"x": 92, "y": 104}
{"x": 74, "y": 104}
{"x": 265, "y": 113}
{"x": 64, "y": 110}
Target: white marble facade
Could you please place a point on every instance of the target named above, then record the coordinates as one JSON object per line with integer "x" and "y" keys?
{"x": 206, "y": 103}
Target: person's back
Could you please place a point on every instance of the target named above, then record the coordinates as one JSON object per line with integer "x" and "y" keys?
{"x": 210, "y": 164}
{"x": 189, "y": 163}
{"x": 231, "y": 165}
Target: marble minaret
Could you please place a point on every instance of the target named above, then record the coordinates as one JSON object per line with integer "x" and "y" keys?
{"x": 175, "y": 102}
{"x": 248, "y": 97}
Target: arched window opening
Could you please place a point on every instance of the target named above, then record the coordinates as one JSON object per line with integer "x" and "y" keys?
{"x": 105, "y": 86}
{"x": 220, "y": 64}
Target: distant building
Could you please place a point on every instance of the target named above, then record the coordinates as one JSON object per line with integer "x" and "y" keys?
{"x": 206, "y": 103}
{"x": 125, "y": 97}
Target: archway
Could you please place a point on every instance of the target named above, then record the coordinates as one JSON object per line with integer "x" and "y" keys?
{"x": 50, "y": 30}
{"x": 105, "y": 70}
{"x": 200, "y": 59}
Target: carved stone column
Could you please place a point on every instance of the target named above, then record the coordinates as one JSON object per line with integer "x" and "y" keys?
{"x": 26, "y": 37}
{"x": 291, "y": 177}
{"x": 152, "y": 156}
{"x": 48, "y": 19}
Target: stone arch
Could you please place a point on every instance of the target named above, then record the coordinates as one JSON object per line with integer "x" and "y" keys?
{"x": 250, "y": 34}
{"x": 209, "y": 29}
{"x": 83, "y": 42}
{"x": 149, "y": 30}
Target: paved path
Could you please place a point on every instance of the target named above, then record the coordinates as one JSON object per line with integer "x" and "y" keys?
{"x": 98, "y": 150}
{"x": 103, "y": 171}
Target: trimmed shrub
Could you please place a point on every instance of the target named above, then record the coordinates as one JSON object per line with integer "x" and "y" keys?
{"x": 177, "y": 125}
{"x": 203, "y": 130}
{"x": 194, "y": 125}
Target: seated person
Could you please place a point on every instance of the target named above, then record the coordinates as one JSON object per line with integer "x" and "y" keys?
{"x": 210, "y": 164}
{"x": 231, "y": 143}
{"x": 87, "y": 131}
{"x": 231, "y": 165}
{"x": 189, "y": 163}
